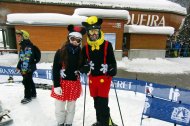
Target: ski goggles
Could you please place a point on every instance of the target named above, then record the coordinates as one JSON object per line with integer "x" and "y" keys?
{"x": 73, "y": 38}
{"x": 93, "y": 31}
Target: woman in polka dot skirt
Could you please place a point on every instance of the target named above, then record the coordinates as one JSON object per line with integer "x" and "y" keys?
{"x": 66, "y": 84}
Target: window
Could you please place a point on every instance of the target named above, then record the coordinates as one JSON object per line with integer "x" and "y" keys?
{"x": 1, "y": 38}
{"x": 111, "y": 37}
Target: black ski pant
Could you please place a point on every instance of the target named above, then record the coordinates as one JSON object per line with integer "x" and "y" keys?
{"x": 29, "y": 86}
{"x": 102, "y": 110}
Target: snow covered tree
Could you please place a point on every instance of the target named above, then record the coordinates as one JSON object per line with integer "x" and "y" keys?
{"x": 184, "y": 32}
{"x": 184, "y": 3}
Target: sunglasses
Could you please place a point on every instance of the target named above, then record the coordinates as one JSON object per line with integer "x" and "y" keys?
{"x": 73, "y": 38}
{"x": 93, "y": 31}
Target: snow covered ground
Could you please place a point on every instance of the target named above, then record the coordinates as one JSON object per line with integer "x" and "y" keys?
{"x": 158, "y": 65}
{"x": 143, "y": 65}
{"x": 40, "y": 112}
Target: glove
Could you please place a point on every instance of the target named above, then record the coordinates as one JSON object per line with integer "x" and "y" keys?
{"x": 58, "y": 90}
{"x": 85, "y": 69}
{"x": 17, "y": 70}
{"x": 77, "y": 73}
{"x": 111, "y": 71}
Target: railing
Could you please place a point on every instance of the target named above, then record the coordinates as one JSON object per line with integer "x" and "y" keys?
{"x": 7, "y": 50}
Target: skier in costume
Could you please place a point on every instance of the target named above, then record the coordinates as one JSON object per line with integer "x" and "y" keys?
{"x": 98, "y": 57}
{"x": 67, "y": 86}
{"x": 29, "y": 56}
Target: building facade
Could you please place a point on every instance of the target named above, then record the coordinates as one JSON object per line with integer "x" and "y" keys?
{"x": 50, "y": 37}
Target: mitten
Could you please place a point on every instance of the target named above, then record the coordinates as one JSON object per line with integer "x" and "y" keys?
{"x": 58, "y": 90}
{"x": 85, "y": 69}
{"x": 111, "y": 71}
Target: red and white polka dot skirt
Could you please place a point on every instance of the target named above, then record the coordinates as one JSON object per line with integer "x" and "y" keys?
{"x": 71, "y": 90}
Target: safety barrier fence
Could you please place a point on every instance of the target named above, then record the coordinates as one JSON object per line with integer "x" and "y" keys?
{"x": 169, "y": 111}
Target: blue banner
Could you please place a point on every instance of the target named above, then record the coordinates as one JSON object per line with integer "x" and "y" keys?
{"x": 40, "y": 73}
{"x": 167, "y": 111}
{"x": 8, "y": 71}
{"x": 157, "y": 90}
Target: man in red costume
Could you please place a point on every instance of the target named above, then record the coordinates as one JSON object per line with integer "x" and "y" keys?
{"x": 98, "y": 56}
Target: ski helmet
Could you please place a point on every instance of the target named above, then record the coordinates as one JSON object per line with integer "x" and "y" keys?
{"x": 24, "y": 34}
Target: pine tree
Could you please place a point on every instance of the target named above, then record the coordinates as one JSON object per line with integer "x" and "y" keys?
{"x": 184, "y": 32}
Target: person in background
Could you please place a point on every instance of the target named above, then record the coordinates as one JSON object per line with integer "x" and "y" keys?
{"x": 177, "y": 49}
{"x": 98, "y": 57}
{"x": 29, "y": 56}
{"x": 185, "y": 49}
{"x": 66, "y": 80}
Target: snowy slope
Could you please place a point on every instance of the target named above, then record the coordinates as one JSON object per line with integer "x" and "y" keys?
{"x": 40, "y": 112}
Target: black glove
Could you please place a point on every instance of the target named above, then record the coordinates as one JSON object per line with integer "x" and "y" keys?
{"x": 85, "y": 69}
{"x": 111, "y": 71}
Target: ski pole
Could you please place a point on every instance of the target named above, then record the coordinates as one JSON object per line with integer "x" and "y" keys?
{"x": 118, "y": 104}
{"x": 84, "y": 80}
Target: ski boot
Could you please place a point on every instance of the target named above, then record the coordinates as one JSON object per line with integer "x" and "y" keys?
{"x": 26, "y": 100}
{"x": 111, "y": 123}
{"x": 96, "y": 124}
{"x": 10, "y": 79}
{"x": 60, "y": 124}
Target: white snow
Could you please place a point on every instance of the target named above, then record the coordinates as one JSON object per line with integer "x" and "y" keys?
{"x": 8, "y": 59}
{"x": 40, "y": 112}
{"x": 44, "y": 19}
{"x": 62, "y": 19}
{"x": 103, "y": 13}
{"x": 141, "y": 29}
{"x": 143, "y": 65}
{"x": 160, "y": 5}
{"x": 1, "y": 39}
{"x": 157, "y": 65}
{"x": 1, "y": 36}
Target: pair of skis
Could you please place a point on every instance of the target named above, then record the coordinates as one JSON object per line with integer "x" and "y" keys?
{"x": 5, "y": 119}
